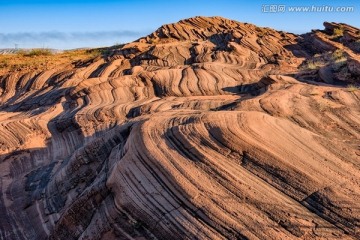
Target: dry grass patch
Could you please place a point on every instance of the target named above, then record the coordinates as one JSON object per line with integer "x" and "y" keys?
{"x": 43, "y": 59}
{"x": 338, "y": 32}
{"x": 352, "y": 88}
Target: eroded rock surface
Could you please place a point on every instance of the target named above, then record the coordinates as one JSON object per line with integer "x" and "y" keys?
{"x": 206, "y": 129}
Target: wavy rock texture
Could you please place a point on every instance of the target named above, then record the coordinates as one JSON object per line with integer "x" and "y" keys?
{"x": 200, "y": 130}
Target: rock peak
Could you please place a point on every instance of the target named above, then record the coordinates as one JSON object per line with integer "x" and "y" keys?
{"x": 197, "y": 28}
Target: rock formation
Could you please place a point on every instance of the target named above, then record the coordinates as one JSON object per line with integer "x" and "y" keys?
{"x": 205, "y": 129}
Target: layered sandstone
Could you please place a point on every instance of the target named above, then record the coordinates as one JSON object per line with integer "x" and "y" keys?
{"x": 205, "y": 129}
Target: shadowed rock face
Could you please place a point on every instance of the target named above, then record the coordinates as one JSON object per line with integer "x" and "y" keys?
{"x": 206, "y": 129}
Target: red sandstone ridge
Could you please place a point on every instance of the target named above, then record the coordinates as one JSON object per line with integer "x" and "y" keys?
{"x": 205, "y": 129}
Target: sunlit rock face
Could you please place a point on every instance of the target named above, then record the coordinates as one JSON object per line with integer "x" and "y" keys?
{"x": 206, "y": 129}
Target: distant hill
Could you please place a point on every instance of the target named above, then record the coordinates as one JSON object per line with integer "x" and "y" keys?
{"x": 13, "y": 50}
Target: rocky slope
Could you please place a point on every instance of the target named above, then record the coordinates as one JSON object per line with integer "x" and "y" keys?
{"x": 206, "y": 129}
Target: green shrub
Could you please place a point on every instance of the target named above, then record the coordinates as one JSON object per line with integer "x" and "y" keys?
{"x": 4, "y": 63}
{"x": 339, "y": 64}
{"x": 338, "y": 32}
{"x": 312, "y": 64}
{"x": 352, "y": 88}
{"x": 338, "y": 55}
{"x": 343, "y": 74}
{"x": 35, "y": 52}
{"x": 96, "y": 52}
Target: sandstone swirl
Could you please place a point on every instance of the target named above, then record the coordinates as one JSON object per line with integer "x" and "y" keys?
{"x": 206, "y": 129}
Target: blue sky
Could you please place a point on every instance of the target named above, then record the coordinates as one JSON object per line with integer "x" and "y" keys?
{"x": 71, "y": 24}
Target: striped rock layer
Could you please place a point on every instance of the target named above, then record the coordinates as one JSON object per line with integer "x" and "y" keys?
{"x": 201, "y": 130}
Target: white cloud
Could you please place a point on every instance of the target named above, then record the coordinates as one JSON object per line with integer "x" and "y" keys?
{"x": 55, "y": 39}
